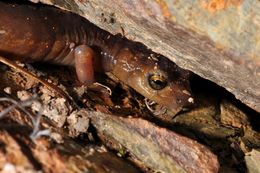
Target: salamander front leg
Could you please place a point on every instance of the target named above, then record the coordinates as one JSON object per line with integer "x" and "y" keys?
{"x": 84, "y": 64}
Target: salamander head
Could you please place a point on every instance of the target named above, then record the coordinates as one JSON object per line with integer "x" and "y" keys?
{"x": 158, "y": 79}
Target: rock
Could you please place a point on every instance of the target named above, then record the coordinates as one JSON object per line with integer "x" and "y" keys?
{"x": 158, "y": 148}
{"x": 232, "y": 116}
{"x": 252, "y": 161}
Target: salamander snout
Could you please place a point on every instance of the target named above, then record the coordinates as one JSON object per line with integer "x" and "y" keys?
{"x": 184, "y": 98}
{"x": 175, "y": 96}
{"x": 165, "y": 87}
{"x": 168, "y": 85}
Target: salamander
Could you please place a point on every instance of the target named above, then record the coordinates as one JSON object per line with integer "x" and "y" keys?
{"x": 33, "y": 33}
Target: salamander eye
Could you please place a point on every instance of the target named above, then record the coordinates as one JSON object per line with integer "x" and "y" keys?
{"x": 157, "y": 81}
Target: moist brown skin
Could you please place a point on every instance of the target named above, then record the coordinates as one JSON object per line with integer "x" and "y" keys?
{"x": 32, "y": 33}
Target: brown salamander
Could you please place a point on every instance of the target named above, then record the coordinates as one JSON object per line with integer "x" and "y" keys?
{"x": 32, "y": 33}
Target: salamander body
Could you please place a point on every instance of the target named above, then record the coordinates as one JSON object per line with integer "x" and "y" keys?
{"x": 32, "y": 33}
